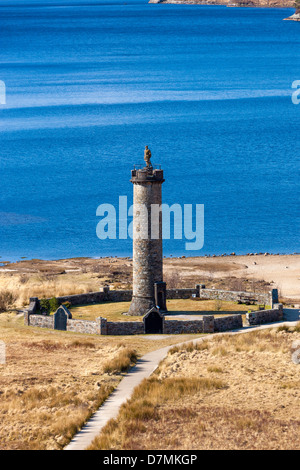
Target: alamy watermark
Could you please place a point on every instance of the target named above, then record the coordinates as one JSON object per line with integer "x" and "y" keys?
{"x": 2, "y": 93}
{"x": 188, "y": 222}
{"x": 296, "y": 93}
{"x": 2, "y": 353}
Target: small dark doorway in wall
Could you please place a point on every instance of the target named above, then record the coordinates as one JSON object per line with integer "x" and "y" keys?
{"x": 160, "y": 295}
{"x": 60, "y": 318}
{"x": 153, "y": 322}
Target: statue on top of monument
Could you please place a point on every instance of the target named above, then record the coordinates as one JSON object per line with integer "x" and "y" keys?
{"x": 147, "y": 157}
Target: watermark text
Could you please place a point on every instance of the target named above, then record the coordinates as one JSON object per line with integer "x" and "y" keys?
{"x": 296, "y": 93}
{"x": 157, "y": 221}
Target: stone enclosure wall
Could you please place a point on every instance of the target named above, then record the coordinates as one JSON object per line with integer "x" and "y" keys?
{"x": 265, "y": 316}
{"x": 236, "y": 296}
{"x": 182, "y": 293}
{"x": 208, "y": 323}
{"x": 39, "y": 320}
{"x": 84, "y": 326}
{"x": 107, "y": 295}
{"x": 232, "y": 322}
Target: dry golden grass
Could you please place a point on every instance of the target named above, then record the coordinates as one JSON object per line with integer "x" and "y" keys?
{"x": 53, "y": 380}
{"x": 50, "y": 385}
{"x": 122, "y": 362}
{"x": 143, "y": 407}
{"x": 112, "y": 311}
{"x": 71, "y": 276}
{"x": 38, "y": 286}
{"x": 185, "y": 405}
{"x": 38, "y": 278}
{"x": 42, "y": 278}
{"x": 189, "y": 347}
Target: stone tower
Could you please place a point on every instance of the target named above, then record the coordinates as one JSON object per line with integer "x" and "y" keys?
{"x": 148, "y": 285}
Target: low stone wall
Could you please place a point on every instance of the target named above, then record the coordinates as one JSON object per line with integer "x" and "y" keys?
{"x": 232, "y": 322}
{"x": 41, "y": 321}
{"x": 125, "y": 328}
{"x": 234, "y": 296}
{"x": 265, "y": 316}
{"x": 96, "y": 297}
{"x": 84, "y": 326}
{"x": 177, "y": 327}
{"x": 107, "y": 295}
{"x": 208, "y": 323}
{"x": 101, "y": 326}
{"x": 181, "y": 293}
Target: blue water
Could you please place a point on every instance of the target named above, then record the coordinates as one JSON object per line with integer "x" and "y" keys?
{"x": 89, "y": 84}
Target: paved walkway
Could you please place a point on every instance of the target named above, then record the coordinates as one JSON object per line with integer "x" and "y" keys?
{"x": 143, "y": 369}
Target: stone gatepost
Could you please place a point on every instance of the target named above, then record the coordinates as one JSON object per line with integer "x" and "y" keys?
{"x": 101, "y": 326}
{"x": 201, "y": 286}
{"x": 274, "y": 299}
{"x": 208, "y": 324}
{"x": 34, "y": 305}
{"x": 279, "y": 307}
{"x": 26, "y": 318}
{"x": 106, "y": 293}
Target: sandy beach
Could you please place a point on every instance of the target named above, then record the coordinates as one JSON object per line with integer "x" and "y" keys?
{"x": 280, "y": 271}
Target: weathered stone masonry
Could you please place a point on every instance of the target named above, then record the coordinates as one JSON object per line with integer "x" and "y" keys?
{"x": 147, "y": 248}
{"x": 265, "y": 316}
{"x": 107, "y": 295}
{"x": 208, "y": 324}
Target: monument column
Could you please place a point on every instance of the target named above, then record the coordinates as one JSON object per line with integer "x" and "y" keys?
{"x": 147, "y": 251}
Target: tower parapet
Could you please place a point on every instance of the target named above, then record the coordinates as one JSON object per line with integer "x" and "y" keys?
{"x": 144, "y": 175}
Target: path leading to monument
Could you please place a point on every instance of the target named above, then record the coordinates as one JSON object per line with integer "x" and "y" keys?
{"x": 143, "y": 369}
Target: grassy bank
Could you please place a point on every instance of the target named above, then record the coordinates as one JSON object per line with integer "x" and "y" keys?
{"x": 53, "y": 380}
{"x": 231, "y": 392}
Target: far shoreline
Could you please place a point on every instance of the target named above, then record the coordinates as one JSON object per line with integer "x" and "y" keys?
{"x": 250, "y": 272}
{"x": 6, "y": 260}
{"x": 290, "y": 4}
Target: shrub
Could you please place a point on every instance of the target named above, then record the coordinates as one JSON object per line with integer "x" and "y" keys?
{"x": 54, "y": 304}
{"x": 283, "y": 328}
{"x": 45, "y": 306}
{"x": 7, "y": 300}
